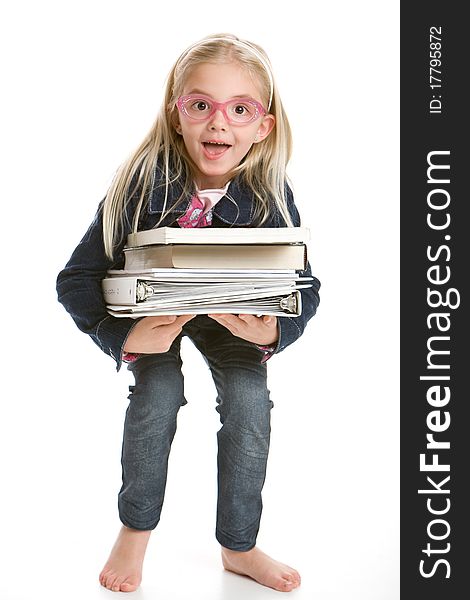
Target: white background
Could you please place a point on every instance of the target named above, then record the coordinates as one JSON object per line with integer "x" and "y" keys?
{"x": 82, "y": 82}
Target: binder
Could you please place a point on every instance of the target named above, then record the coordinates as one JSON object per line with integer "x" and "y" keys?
{"x": 139, "y": 295}
{"x": 289, "y": 305}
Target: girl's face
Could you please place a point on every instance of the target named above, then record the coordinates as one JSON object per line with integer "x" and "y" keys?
{"x": 217, "y": 146}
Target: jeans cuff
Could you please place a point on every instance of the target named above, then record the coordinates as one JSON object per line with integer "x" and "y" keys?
{"x": 230, "y": 544}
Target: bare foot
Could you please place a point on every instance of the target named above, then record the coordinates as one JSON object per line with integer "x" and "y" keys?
{"x": 123, "y": 570}
{"x": 262, "y": 568}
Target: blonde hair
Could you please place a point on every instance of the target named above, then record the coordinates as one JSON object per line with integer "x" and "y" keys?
{"x": 263, "y": 169}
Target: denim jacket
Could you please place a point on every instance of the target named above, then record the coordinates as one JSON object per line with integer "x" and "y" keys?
{"x": 79, "y": 283}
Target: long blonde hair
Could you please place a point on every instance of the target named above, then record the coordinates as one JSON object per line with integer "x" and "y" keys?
{"x": 263, "y": 169}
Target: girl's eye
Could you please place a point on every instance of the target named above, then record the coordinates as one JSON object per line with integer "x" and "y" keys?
{"x": 200, "y": 105}
{"x": 240, "y": 109}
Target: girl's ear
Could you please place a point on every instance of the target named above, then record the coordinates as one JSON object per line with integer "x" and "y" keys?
{"x": 176, "y": 123}
{"x": 267, "y": 125}
{"x": 177, "y": 127}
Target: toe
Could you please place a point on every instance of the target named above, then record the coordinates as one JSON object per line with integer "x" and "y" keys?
{"x": 116, "y": 587}
{"x": 110, "y": 580}
{"x": 287, "y": 586}
{"x": 128, "y": 587}
{"x": 290, "y": 581}
{"x": 103, "y": 576}
{"x": 292, "y": 575}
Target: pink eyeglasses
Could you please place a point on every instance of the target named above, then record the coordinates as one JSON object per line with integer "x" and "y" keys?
{"x": 238, "y": 111}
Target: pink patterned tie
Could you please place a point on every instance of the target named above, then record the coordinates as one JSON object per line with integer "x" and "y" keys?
{"x": 195, "y": 215}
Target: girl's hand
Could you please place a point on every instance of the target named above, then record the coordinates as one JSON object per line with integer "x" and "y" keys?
{"x": 153, "y": 335}
{"x": 259, "y": 330}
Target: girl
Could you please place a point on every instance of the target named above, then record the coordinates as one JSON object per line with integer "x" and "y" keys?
{"x": 215, "y": 156}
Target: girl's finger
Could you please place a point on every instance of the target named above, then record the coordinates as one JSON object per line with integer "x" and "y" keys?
{"x": 229, "y": 322}
{"x": 227, "y": 318}
{"x": 248, "y": 319}
{"x": 179, "y": 322}
{"x": 185, "y": 318}
{"x": 226, "y": 322}
{"x": 268, "y": 319}
{"x": 160, "y": 320}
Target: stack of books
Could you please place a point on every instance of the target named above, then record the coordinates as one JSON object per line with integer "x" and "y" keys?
{"x": 172, "y": 271}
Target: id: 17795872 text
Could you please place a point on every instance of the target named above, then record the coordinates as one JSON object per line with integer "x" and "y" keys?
{"x": 435, "y": 69}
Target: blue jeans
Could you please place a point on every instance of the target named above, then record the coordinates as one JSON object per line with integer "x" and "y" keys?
{"x": 244, "y": 407}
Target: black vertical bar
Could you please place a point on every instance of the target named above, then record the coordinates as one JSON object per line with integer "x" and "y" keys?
{"x": 435, "y": 234}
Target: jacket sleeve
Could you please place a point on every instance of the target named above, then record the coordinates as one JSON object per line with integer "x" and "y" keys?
{"x": 291, "y": 328}
{"x": 79, "y": 291}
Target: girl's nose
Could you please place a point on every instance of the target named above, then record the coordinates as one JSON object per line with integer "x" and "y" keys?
{"x": 218, "y": 121}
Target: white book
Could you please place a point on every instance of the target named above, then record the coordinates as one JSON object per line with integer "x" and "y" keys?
{"x": 219, "y": 235}
{"x": 223, "y": 256}
{"x": 207, "y": 275}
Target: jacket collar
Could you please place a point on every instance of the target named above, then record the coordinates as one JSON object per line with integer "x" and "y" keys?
{"x": 235, "y": 208}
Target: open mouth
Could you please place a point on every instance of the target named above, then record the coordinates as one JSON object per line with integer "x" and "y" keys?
{"x": 215, "y": 149}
